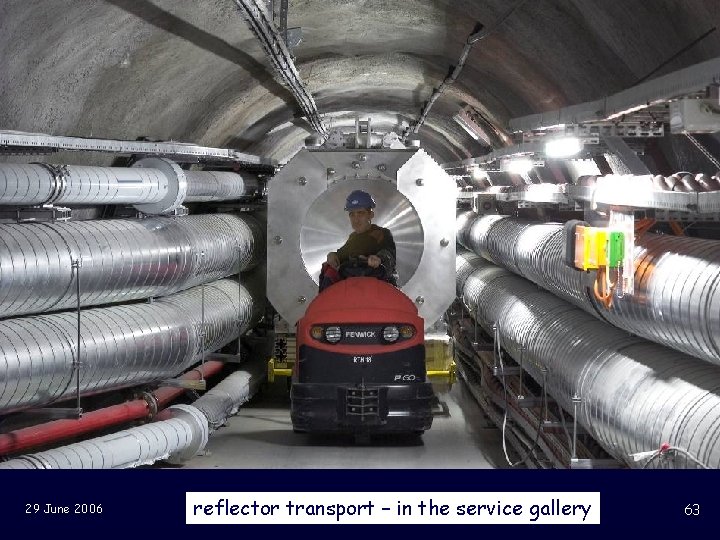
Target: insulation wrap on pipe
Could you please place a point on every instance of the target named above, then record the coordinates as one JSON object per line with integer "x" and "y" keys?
{"x": 676, "y": 301}
{"x": 121, "y": 346}
{"x": 635, "y": 395}
{"x": 122, "y": 259}
{"x": 224, "y": 399}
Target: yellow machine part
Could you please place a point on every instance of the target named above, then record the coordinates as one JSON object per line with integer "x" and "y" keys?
{"x": 439, "y": 360}
{"x": 278, "y": 369}
{"x": 590, "y": 247}
{"x": 281, "y": 364}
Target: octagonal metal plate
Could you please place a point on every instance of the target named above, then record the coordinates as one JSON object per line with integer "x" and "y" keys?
{"x": 415, "y": 200}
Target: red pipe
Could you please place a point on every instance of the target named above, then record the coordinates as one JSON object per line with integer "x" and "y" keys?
{"x": 41, "y": 434}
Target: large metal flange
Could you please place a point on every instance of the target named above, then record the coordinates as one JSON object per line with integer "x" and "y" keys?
{"x": 176, "y": 186}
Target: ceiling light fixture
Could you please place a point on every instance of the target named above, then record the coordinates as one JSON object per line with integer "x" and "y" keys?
{"x": 563, "y": 147}
{"x": 518, "y": 166}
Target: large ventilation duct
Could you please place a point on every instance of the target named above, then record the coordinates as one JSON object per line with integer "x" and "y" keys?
{"x": 122, "y": 260}
{"x": 122, "y": 346}
{"x": 634, "y": 395}
{"x": 152, "y": 185}
{"x": 677, "y": 280}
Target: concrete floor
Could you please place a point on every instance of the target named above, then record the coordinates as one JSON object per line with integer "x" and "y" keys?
{"x": 261, "y": 437}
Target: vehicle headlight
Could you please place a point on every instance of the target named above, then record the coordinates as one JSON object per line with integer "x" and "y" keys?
{"x": 316, "y": 332}
{"x": 407, "y": 331}
{"x": 333, "y": 334}
{"x": 391, "y": 334}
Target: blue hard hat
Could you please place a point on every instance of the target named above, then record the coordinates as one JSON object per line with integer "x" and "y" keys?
{"x": 359, "y": 199}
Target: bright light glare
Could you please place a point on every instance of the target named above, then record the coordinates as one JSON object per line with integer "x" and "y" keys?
{"x": 564, "y": 147}
{"x": 478, "y": 174}
{"x": 519, "y": 166}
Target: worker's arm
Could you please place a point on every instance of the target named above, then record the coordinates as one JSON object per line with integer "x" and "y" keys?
{"x": 333, "y": 259}
{"x": 387, "y": 252}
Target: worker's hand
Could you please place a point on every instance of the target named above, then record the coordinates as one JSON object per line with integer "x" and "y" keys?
{"x": 374, "y": 261}
{"x": 333, "y": 260}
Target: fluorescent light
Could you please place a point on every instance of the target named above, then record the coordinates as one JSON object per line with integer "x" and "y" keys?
{"x": 519, "y": 166}
{"x": 465, "y": 119}
{"x": 476, "y": 173}
{"x": 563, "y": 147}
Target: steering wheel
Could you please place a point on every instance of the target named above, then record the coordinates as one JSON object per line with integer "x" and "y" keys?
{"x": 358, "y": 267}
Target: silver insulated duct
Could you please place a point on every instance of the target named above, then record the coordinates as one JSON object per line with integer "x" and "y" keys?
{"x": 152, "y": 185}
{"x": 634, "y": 395}
{"x": 677, "y": 280}
{"x": 206, "y": 186}
{"x": 122, "y": 259}
{"x": 121, "y": 346}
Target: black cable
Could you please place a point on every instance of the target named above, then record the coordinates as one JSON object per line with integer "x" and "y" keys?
{"x": 674, "y": 56}
{"x": 478, "y": 33}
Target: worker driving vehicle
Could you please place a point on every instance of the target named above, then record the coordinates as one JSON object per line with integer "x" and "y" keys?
{"x": 368, "y": 251}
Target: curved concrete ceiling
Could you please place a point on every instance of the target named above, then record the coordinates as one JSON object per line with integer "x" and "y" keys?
{"x": 192, "y": 71}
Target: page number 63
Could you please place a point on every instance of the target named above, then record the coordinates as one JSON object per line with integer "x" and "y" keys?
{"x": 692, "y": 510}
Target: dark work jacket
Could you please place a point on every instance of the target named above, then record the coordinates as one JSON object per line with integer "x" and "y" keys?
{"x": 375, "y": 241}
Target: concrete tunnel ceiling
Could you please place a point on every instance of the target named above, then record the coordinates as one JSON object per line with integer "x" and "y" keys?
{"x": 192, "y": 71}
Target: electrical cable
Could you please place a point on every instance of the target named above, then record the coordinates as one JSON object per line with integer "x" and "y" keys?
{"x": 478, "y": 33}
{"x": 663, "y": 450}
{"x": 497, "y": 355}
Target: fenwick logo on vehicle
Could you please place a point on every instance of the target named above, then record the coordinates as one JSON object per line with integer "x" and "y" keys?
{"x": 363, "y": 334}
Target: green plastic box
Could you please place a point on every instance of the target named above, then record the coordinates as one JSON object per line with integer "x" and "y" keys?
{"x": 616, "y": 249}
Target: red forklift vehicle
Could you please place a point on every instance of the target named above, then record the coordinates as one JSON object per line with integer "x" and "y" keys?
{"x": 360, "y": 365}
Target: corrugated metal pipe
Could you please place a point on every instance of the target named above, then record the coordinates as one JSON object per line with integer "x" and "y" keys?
{"x": 152, "y": 185}
{"x": 121, "y": 346}
{"x": 633, "y": 395}
{"x": 677, "y": 280}
{"x": 122, "y": 259}
{"x": 175, "y": 439}
{"x": 206, "y": 186}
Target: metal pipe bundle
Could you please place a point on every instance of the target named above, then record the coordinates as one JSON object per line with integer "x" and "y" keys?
{"x": 677, "y": 280}
{"x": 178, "y": 439}
{"x": 634, "y": 395}
{"x": 121, "y": 346}
{"x": 122, "y": 260}
{"x": 533, "y": 250}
